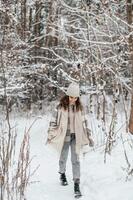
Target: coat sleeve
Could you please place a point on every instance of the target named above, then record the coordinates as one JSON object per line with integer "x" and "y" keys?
{"x": 53, "y": 124}
{"x": 86, "y": 128}
{"x": 54, "y": 119}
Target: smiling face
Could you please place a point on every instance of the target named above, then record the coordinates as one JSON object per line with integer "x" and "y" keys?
{"x": 72, "y": 100}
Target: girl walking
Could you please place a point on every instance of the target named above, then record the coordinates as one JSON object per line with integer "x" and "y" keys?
{"x": 68, "y": 129}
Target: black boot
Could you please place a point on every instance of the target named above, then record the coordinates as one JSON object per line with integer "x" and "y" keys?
{"x": 77, "y": 192}
{"x": 63, "y": 179}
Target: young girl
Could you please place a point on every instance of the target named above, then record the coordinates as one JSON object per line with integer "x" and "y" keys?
{"x": 69, "y": 129}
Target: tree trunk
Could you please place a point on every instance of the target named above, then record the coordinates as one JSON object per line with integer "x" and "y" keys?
{"x": 37, "y": 22}
{"x": 130, "y": 20}
{"x": 52, "y": 40}
{"x": 30, "y": 19}
{"x": 23, "y": 18}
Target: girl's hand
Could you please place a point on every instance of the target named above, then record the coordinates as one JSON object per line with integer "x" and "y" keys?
{"x": 48, "y": 141}
{"x": 91, "y": 142}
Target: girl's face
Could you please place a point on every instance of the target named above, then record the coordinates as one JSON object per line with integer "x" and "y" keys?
{"x": 72, "y": 100}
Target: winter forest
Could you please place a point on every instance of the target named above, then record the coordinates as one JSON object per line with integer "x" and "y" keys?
{"x": 44, "y": 46}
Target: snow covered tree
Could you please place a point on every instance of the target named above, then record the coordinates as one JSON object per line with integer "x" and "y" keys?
{"x": 84, "y": 41}
{"x": 130, "y": 22}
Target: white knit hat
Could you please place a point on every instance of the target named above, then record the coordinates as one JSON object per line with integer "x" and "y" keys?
{"x": 73, "y": 90}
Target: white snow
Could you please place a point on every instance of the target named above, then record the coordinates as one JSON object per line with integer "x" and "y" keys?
{"x": 99, "y": 180}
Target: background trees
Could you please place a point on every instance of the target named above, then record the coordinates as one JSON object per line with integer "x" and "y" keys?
{"x": 50, "y": 43}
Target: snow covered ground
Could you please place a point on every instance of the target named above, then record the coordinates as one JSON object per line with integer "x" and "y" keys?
{"x": 99, "y": 180}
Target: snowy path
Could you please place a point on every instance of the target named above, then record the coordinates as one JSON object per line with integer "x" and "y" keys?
{"x": 99, "y": 181}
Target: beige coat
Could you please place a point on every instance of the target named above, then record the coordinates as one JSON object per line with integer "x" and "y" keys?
{"x": 56, "y": 135}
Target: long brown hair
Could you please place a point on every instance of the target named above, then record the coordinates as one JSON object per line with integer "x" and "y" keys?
{"x": 64, "y": 103}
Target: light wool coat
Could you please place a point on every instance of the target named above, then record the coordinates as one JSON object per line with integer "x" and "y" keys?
{"x": 57, "y": 131}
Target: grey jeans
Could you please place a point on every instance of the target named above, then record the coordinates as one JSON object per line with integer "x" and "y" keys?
{"x": 70, "y": 142}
